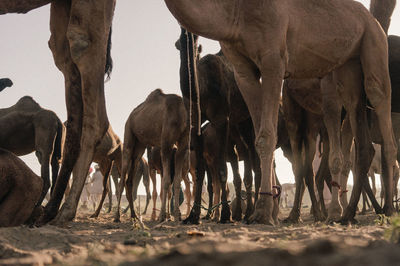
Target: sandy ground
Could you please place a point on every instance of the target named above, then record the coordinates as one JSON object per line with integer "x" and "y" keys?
{"x": 99, "y": 241}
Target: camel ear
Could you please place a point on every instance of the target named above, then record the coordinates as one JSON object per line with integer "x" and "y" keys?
{"x": 178, "y": 45}
{"x": 200, "y": 49}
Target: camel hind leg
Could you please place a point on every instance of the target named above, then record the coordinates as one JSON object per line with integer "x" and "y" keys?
{"x": 349, "y": 81}
{"x": 374, "y": 60}
{"x": 106, "y": 169}
{"x": 146, "y": 183}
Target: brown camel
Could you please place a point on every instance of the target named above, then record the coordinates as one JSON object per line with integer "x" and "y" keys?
{"x": 301, "y": 104}
{"x": 80, "y": 41}
{"x": 221, "y": 103}
{"x": 27, "y": 127}
{"x": 160, "y": 121}
{"x": 155, "y": 167}
{"x": 353, "y": 47}
{"x": 20, "y": 190}
{"x": 108, "y": 154}
{"x": 4, "y": 83}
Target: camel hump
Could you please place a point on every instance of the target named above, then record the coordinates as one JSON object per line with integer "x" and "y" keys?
{"x": 155, "y": 93}
{"x": 27, "y": 103}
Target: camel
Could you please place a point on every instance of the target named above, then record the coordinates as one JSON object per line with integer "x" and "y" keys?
{"x": 220, "y": 103}
{"x": 27, "y": 127}
{"x": 159, "y": 121}
{"x": 302, "y": 111}
{"x": 20, "y": 189}
{"x": 80, "y": 42}
{"x": 353, "y": 47}
{"x": 108, "y": 154}
{"x": 155, "y": 166}
{"x": 4, "y": 83}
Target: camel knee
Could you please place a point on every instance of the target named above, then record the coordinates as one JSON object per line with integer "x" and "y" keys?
{"x": 79, "y": 42}
{"x": 265, "y": 143}
{"x": 335, "y": 164}
{"x": 378, "y": 92}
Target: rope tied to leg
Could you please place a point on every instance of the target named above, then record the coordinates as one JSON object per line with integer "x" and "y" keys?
{"x": 277, "y": 195}
{"x": 336, "y": 184}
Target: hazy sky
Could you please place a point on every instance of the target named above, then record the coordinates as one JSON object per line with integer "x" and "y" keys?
{"x": 145, "y": 58}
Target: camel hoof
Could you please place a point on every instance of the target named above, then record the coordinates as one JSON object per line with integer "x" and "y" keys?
{"x": 207, "y": 217}
{"x": 116, "y": 220}
{"x": 388, "y": 210}
{"x": 292, "y": 220}
{"x": 192, "y": 219}
{"x": 333, "y": 219}
{"x": 94, "y": 215}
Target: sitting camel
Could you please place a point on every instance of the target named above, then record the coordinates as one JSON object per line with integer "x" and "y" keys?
{"x": 160, "y": 121}
{"x": 20, "y": 190}
{"x": 27, "y": 127}
{"x": 4, "y": 83}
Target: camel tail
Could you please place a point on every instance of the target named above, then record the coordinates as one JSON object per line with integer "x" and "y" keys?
{"x": 109, "y": 61}
{"x": 57, "y": 153}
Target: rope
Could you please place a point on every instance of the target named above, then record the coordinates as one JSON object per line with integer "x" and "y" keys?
{"x": 190, "y": 94}
{"x": 336, "y": 184}
{"x": 272, "y": 194}
{"x": 213, "y": 207}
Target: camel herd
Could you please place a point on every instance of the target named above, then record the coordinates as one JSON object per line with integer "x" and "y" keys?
{"x": 289, "y": 73}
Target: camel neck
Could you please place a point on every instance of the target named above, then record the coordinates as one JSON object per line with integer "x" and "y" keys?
{"x": 22, "y": 6}
{"x": 214, "y": 19}
{"x": 382, "y": 10}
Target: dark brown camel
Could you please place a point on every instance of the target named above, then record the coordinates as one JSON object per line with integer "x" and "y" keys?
{"x": 20, "y": 190}
{"x": 161, "y": 121}
{"x": 80, "y": 39}
{"x": 221, "y": 103}
{"x": 27, "y": 127}
{"x": 303, "y": 115}
{"x": 5, "y": 83}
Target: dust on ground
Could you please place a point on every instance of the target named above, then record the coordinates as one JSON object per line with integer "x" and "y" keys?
{"x": 100, "y": 241}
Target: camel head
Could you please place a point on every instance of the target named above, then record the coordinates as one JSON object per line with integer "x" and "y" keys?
{"x": 199, "y": 48}
{"x": 4, "y": 83}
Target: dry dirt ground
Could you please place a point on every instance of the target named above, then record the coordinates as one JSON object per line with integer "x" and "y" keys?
{"x": 99, "y": 241}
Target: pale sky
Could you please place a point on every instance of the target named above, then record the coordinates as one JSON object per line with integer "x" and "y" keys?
{"x": 145, "y": 58}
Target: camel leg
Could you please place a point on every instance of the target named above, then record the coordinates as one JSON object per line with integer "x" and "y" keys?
{"x": 105, "y": 170}
{"x": 294, "y": 116}
{"x": 217, "y": 197}
{"x": 146, "y": 183}
{"x": 126, "y": 165}
{"x": 377, "y": 87}
{"x": 332, "y": 108}
{"x": 262, "y": 99}
{"x": 110, "y": 194}
{"x": 134, "y": 177}
{"x": 194, "y": 215}
{"x": 166, "y": 156}
{"x": 188, "y": 194}
{"x": 323, "y": 171}
{"x": 347, "y": 140}
{"x": 237, "y": 181}
{"x": 44, "y": 148}
{"x": 210, "y": 193}
{"x": 348, "y": 79}
{"x": 181, "y": 166}
{"x": 88, "y": 43}
{"x": 313, "y": 128}
{"x": 154, "y": 181}
{"x": 59, "y": 45}
{"x": 248, "y": 183}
